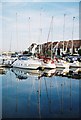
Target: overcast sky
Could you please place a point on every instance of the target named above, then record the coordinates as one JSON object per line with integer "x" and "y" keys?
{"x": 19, "y": 32}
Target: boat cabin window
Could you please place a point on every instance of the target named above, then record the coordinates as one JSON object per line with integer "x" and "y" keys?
{"x": 23, "y": 58}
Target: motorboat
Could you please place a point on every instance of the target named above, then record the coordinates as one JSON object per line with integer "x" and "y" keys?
{"x": 25, "y": 62}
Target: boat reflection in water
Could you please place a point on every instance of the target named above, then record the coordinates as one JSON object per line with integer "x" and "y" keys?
{"x": 25, "y": 73}
{"x": 70, "y": 73}
{"x": 40, "y": 94}
{"x": 67, "y": 72}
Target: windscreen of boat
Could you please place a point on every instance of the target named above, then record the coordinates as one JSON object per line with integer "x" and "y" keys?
{"x": 23, "y": 58}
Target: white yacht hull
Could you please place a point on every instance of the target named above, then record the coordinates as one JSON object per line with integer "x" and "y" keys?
{"x": 62, "y": 64}
{"x": 49, "y": 65}
{"x": 75, "y": 64}
{"x": 27, "y": 64}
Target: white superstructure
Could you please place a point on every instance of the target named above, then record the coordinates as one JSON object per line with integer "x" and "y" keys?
{"x": 27, "y": 63}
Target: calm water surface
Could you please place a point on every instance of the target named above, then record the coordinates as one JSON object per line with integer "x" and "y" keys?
{"x": 47, "y": 97}
{"x": 0, "y": 96}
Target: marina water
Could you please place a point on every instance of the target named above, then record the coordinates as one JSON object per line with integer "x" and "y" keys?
{"x": 39, "y": 97}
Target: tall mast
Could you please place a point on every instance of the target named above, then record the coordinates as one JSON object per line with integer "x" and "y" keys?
{"x": 51, "y": 28}
{"x": 72, "y": 35}
{"x": 16, "y": 31}
{"x": 40, "y": 31}
{"x": 40, "y": 46}
{"x": 64, "y": 32}
{"x": 40, "y": 34}
{"x": 51, "y": 38}
{"x": 10, "y": 42}
{"x": 29, "y": 33}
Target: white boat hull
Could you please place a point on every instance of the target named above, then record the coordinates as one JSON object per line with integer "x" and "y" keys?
{"x": 75, "y": 64}
{"x": 49, "y": 66}
{"x": 27, "y": 64}
{"x": 62, "y": 64}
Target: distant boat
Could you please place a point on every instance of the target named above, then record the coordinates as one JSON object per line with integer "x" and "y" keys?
{"x": 1, "y": 61}
{"x": 8, "y": 60}
{"x": 2, "y": 70}
{"x": 3, "y": 58}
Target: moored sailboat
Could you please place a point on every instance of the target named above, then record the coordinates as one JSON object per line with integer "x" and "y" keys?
{"x": 49, "y": 63}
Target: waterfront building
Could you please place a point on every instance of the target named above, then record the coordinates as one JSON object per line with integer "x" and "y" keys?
{"x": 57, "y": 45}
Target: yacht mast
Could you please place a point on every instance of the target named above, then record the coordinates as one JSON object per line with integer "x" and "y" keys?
{"x": 29, "y": 33}
{"x": 72, "y": 35}
{"x": 40, "y": 35}
{"x": 64, "y": 32}
{"x": 51, "y": 27}
{"x": 40, "y": 46}
{"x": 16, "y": 31}
{"x": 52, "y": 38}
{"x": 10, "y": 43}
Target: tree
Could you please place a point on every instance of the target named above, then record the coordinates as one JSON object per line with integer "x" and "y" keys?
{"x": 79, "y": 52}
{"x": 25, "y": 52}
